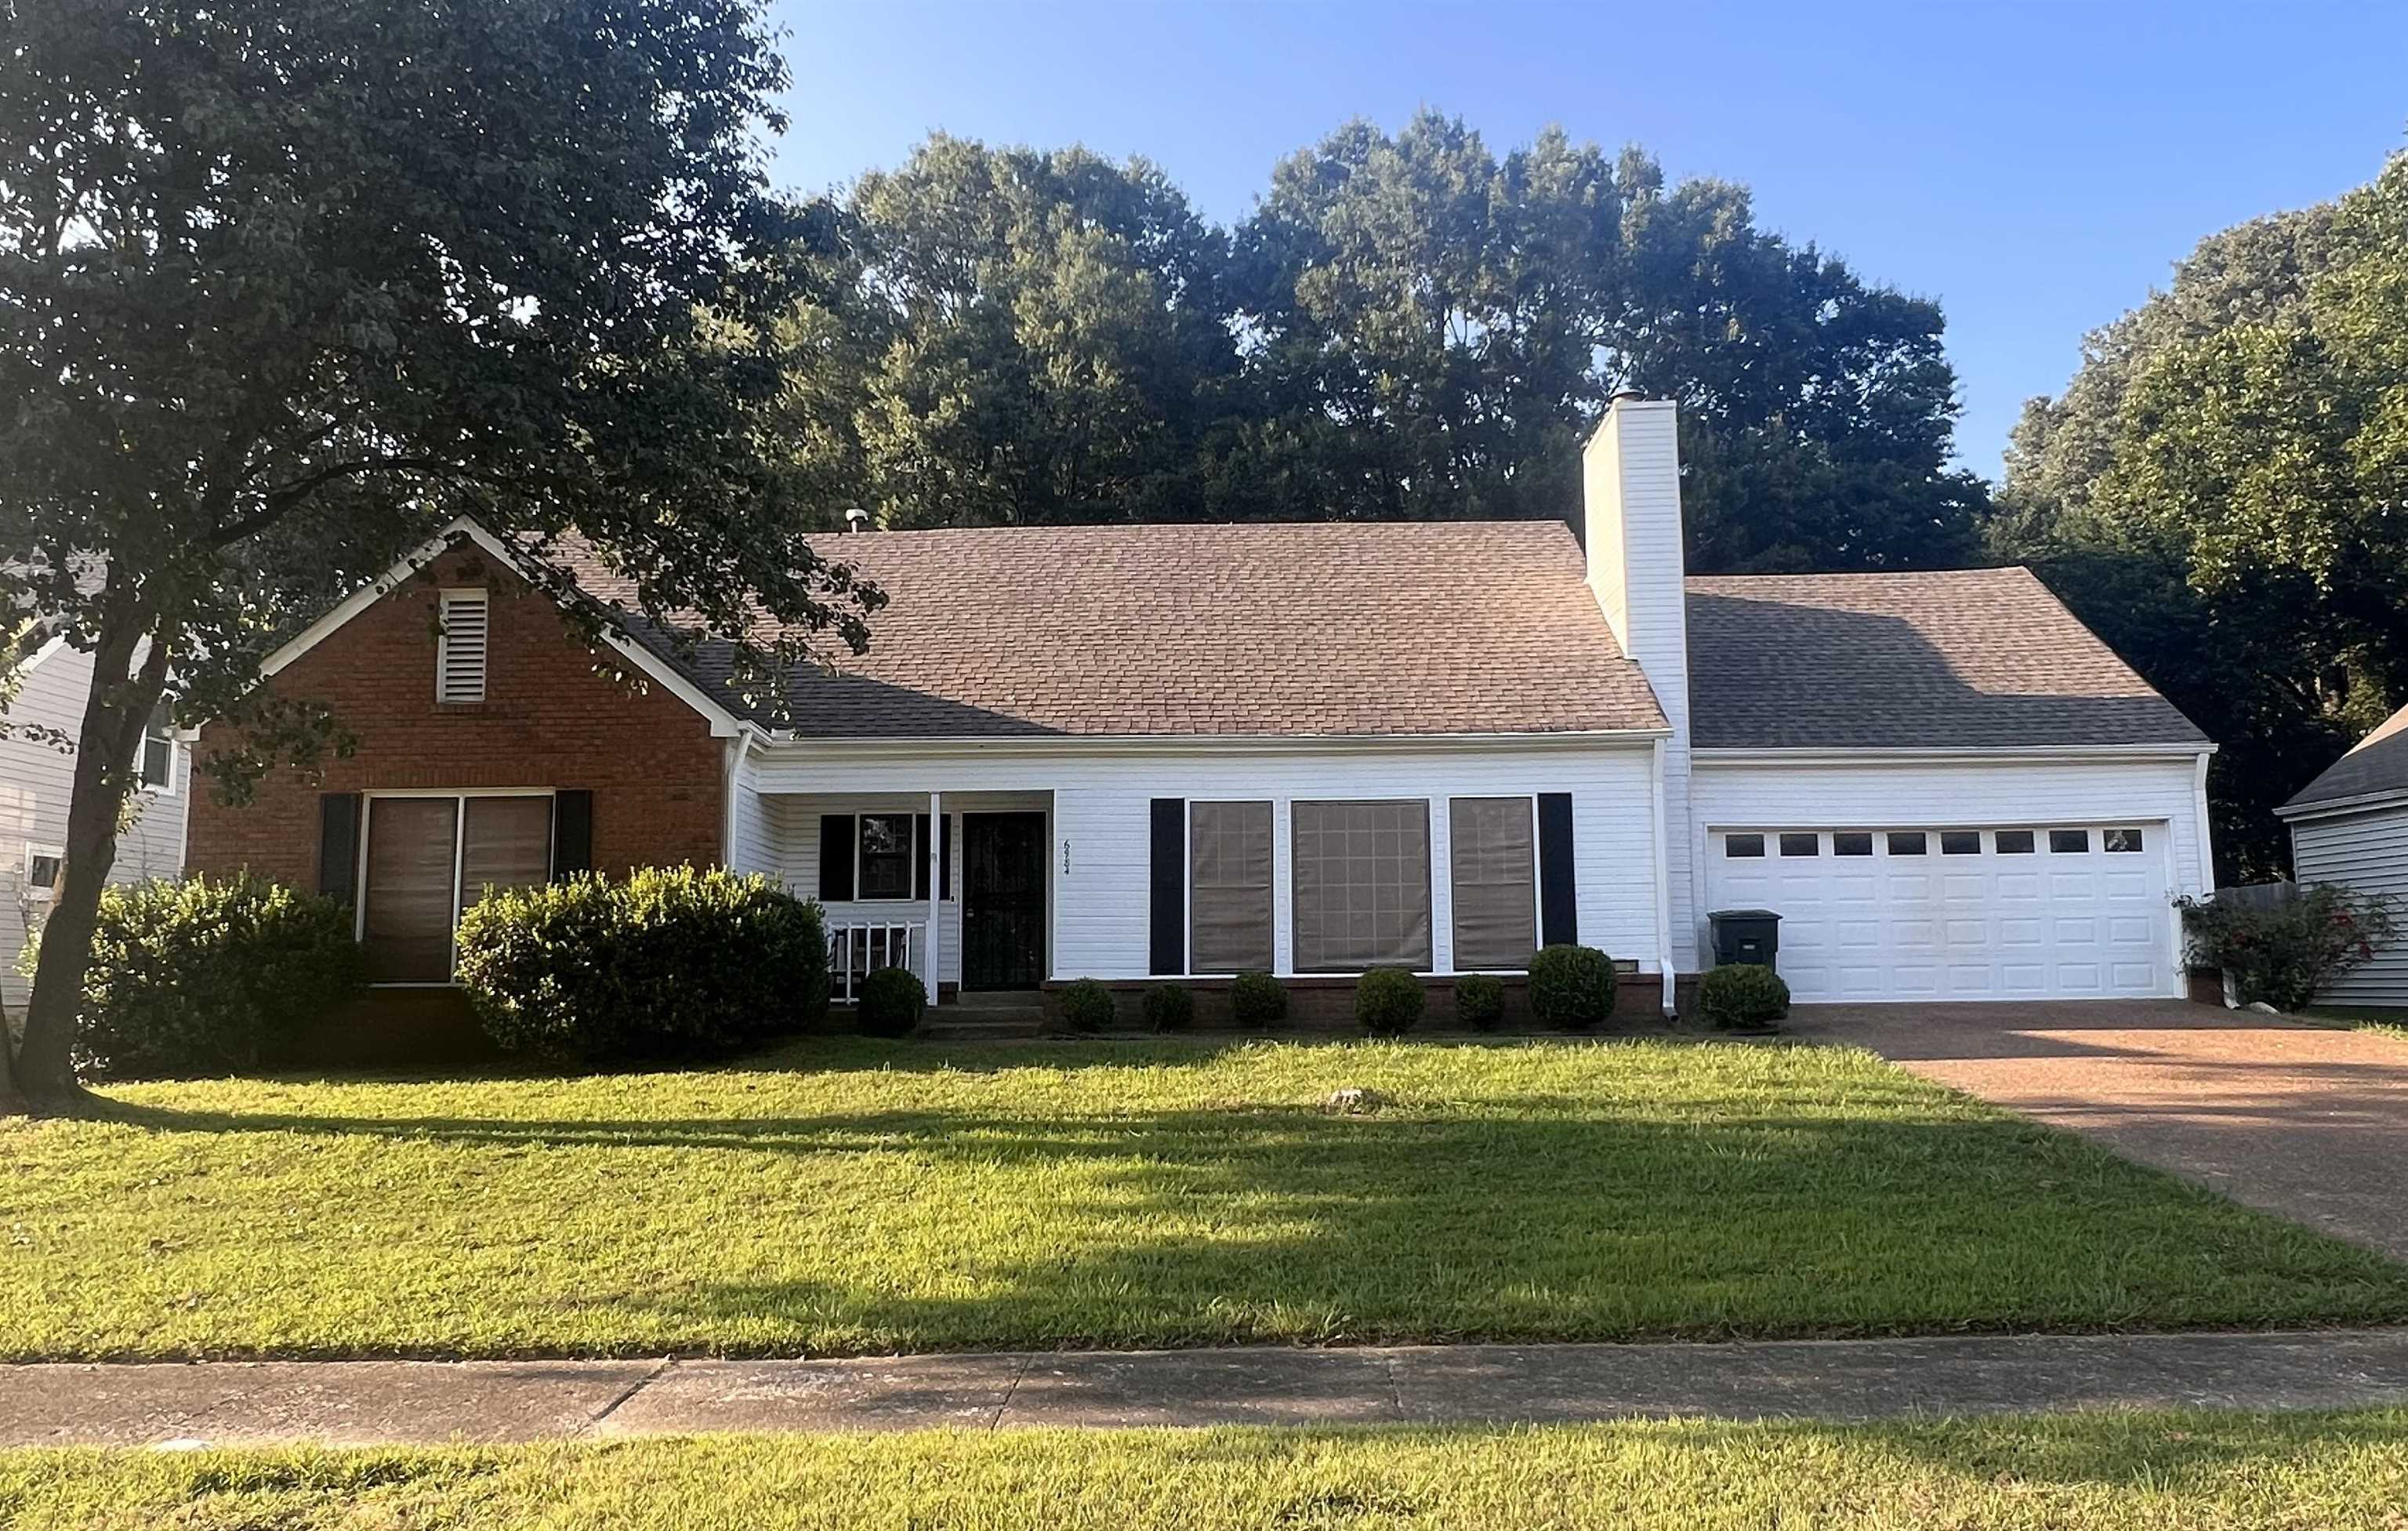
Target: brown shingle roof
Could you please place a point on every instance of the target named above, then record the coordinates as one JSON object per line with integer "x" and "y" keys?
{"x": 1262, "y": 630}
{"x": 2375, "y": 764}
{"x": 1972, "y": 658}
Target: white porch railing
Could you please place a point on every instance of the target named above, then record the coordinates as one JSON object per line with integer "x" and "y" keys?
{"x": 858, "y": 947}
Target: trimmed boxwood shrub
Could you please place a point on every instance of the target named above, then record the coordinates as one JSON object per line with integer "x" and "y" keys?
{"x": 1257, "y": 1000}
{"x": 1743, "y": 997}
{"x": 892, "y": 1000}
{"x": 1168, "y": 1007}
{"x": 1572, "y": 988}
{"x": 1479, "y": 1001}
{"x": 1086, "y": 1007}
{"x": 1388, "y": 1001}
{"x": 203, "y": 976}
{"x": 668, "y": 963}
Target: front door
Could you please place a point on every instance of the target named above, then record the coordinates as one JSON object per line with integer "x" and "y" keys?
{"x": 1003, "y": 900}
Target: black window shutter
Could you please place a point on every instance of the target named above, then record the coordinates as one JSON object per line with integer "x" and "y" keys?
{"x": 1559, "y": 898}
{"x": 920, "y": 857}
{"x": 572, "y": 832}
{"x": 338, "y": 843}
{"x": 1168, "y": 947}
{"x": 835, "y": 857}
{"x": 945, "y": 858}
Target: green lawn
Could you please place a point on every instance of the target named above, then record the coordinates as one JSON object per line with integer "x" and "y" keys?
{"x": 2089, "y": 1472}
{"x": 850, "y": 1196}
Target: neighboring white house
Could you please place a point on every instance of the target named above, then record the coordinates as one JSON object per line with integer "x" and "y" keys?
{"x": 36, "y": 779}
{"x": 1144, "y": 752}
{"x": 2350, "y": 826}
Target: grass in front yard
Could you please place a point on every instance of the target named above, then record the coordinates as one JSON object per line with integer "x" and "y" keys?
{"x": 2088, "y": 1472}
{"x": 865, "y": 1197}
{"x": 2391, "y": 1019}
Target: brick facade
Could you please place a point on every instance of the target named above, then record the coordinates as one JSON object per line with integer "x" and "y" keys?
{"x": 548, "y": 721}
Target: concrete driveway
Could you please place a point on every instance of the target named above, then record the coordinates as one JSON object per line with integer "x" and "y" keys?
{"x": 2305, "y": 1122}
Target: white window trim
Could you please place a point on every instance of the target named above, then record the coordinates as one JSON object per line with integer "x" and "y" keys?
{"x": 175, "y": 762}
{"x": 443, "y": 644}
{"x": 1537, "y": 884}
{"x": 36, "y": 894}
{"x": 459, "y": 856}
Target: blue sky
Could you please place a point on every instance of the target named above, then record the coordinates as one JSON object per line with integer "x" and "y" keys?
{"x": 2037, "y": 169}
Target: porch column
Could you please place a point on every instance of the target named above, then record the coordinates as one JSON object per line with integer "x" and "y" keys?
{"x": 935, "y": 853}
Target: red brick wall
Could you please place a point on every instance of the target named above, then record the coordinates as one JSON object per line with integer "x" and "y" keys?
{"x": 547, "y": 721}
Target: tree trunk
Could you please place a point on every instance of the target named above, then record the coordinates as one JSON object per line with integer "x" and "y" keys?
{"x": 116, "y": 711}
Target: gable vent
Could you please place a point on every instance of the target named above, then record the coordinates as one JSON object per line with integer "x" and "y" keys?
{"x": 460, "y": 649}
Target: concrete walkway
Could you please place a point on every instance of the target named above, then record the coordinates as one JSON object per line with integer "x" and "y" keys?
{"x": 408, "y": 1402}
{"x": 2308, "y": 1122}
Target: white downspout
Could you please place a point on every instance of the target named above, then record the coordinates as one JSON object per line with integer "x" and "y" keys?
{"x": 737, "y": 746}
{"x": 2206, "y": 886}
{"x": 1663, "y": 875}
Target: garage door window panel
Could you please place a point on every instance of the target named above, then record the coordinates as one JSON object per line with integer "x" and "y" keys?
{"x": 1740, "y": 847}
{"x": 1960, "y": 842}
{"x": 1802, "y": 845}
{"x": 2069, "y": 842}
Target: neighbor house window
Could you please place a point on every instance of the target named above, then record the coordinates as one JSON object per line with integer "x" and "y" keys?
{"x": 43, "y": 866}
{"x": 430, "y": 857}
{"x": 1229, "y": 887}
{"x": 1362, "y": 886}
{"x": 460, "y": 646}
{"x": 157, "y": 763}
{"x": 1492, "y": 853}
{"x": 2119, "y": 839}
{"x": 1742, "y": 846}
{"x": 2065, "y": 841}
{"x": 886, "y": 856}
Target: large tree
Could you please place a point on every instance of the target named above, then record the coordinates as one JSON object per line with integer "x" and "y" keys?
{"x": 1010, "y": 336}
{"x": 285, "y": 283}
{"x": 1406, "y": 326}
{"x": 1443, "y": 326}
{"x": 2220, "y": 492}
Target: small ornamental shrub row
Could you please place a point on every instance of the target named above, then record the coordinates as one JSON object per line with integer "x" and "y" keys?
{"x": 1572, "y": 988}
{"x": 891, "y": 1003}
{"x": 1388, "y": 1001}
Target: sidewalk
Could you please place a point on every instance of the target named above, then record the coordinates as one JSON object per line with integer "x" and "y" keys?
{"x": 408, "y": 1402}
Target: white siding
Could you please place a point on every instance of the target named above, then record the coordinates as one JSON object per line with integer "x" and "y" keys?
{"x": 1900, "y": 796}
{"x": 2368, "y": 851}
{"x": 1100, "y": 830}
{"x": 753, "y": 832}
{"x": 36, "y": 782}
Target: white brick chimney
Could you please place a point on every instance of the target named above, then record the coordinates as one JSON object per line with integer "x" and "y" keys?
{"x": 1630, "y": 493}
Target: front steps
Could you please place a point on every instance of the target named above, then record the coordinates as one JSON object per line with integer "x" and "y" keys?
{"x": 986, "y": 1017}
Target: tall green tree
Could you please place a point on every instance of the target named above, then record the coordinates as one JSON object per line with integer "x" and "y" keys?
{"x": 2219, "y": 492}
{"x": 284, "y": 285}
{"x": 1442, "y": 326}
{"x": 1012, "y": 336}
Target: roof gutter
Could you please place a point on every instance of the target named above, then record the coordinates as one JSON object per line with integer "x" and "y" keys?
{"x": 2335, "y": 807}
{"x": 1221, "y": 743}
{"x": 1825, "y": 754}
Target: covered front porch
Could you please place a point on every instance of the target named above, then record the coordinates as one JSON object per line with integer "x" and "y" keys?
{"x": 954, "y": 886}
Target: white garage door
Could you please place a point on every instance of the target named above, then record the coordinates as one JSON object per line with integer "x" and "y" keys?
{"x": 2055, "y": 911}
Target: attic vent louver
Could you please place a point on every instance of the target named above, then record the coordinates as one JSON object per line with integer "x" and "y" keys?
{"x": 460, "y": 649}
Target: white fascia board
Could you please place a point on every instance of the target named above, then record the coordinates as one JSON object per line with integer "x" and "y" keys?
{"x": 723, "y": 722}
{"x": 2028, "y": 755}
{"x": 49, "y": 647}
{"x": 2334, "y": 808}
{"x": 1215, "y": 744}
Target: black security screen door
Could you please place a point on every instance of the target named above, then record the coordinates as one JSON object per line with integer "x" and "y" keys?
{"x": 1003, "y": 900}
